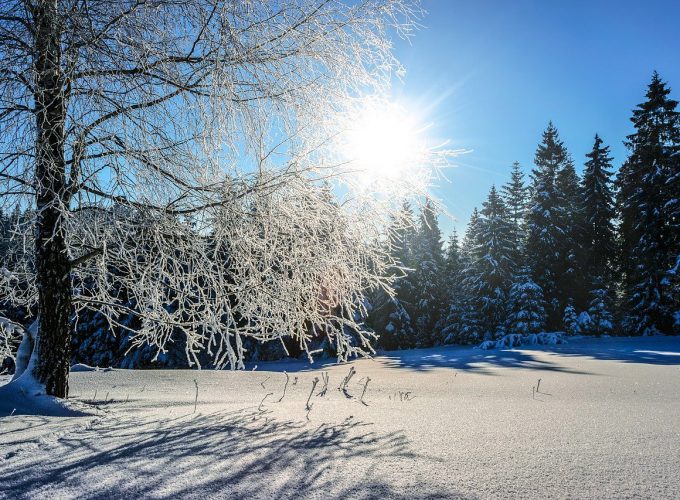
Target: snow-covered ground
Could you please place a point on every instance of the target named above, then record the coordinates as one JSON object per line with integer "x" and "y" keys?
{"x": 445, "y": 422}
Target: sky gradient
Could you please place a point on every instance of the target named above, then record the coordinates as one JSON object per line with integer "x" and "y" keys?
{"x": 489, "y": 75}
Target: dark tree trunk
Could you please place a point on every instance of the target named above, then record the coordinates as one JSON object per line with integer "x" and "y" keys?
{"x": 53, "y": 348}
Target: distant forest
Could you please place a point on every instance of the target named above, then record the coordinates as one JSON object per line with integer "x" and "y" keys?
{"x": 590, "y": 254}
{"x": 596, "y": 254}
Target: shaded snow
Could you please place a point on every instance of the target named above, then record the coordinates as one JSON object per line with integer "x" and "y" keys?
{"x": 441, "y": 422}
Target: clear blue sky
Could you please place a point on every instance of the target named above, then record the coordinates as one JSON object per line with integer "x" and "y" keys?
{"x": 491, "y": 74}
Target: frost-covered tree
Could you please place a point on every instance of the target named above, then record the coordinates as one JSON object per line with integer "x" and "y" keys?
{"x": 142, "y": 134}
{"x": 599, "y": 239}
{"x": 516, "y": 197}
{"x": 545, "y": 231}
{"x": 648, "y": 207}
{"x": 526, "y": 305}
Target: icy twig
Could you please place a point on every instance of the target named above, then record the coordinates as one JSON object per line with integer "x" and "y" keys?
{"x": 259, "y": 408}
{"x": 285, "y": 386}
{"x": 314, "y": 382}
{"x": 343, "y": 385}
{"x": 368, "y": 379}
{"x": 196, "y": 398}
{"x": 325, "y": 377}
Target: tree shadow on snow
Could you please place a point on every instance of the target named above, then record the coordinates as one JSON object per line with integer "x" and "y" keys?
{"x": 469, "y": 359}
{"x": 646, "y": 350}
{"x": 657, "y": 350}
{"x": 243, "y": 454}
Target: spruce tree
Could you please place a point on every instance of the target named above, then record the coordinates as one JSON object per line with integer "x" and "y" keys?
{"x": 390, "y": 317}
{"x": 599, "y": 238}
{"x": 570, "y": 277}
{"x": 526, "y": 305}
{"x": 470, "y": 239}
{"x": 648, "y": 205}
{"x": 516, "y": 196}
{"x": 453, "y": 265}
{"x": 449, "y": 325}
{"x": 600, "y": 318}
{"x": 492, "y": 264}
{"x": 570, "y": 320}
{"x": 545, "y": 231}
{"x": 469, "y": 329}
{"x": 428, "y": 275}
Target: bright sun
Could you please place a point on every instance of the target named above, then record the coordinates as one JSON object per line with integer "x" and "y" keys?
{"x": 385, "y": 143}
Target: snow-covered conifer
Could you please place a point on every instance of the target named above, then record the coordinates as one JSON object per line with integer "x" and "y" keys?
{"x": 428, "y": 276}
{"x": 648, "y": 206}
{"x": 598, "y": 214}
{"x": 526, "y": 305}
{"x": 570, "y": 276}
{"x": 545, "y": 230}
{"x": 599, "y": 311}
{"x": 570, "y": 320}
{"x": 492, "y": 265}
{"x": 516, "y": 198}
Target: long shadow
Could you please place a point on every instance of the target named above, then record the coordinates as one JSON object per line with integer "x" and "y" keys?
{"x": 464, "y": 358}
{"x": 469, "y": 359}
{"x": 646, "y": 350}
{"x": 457, "y": 357}
{"x": 243, "y": 454}
{"x": 658, "y": 350}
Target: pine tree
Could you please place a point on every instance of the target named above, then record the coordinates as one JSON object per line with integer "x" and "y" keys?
{"x": 464, "y": 325}
{"x": 453, "y": 265}
{"x": 601, "y": 321}
{"x": 570, "y": 277}
{"x": 399, "y": 332}
{"x": 470, "y": 239}
{"x": 526, "y": 305}
{"x": 428, "y": 275}
{"x": 516, "y": 197}
{"x": 493, "y": 264}
{"x": 391, "y": 317}
{"x": 449, "y": 325}
{"x": 648, "y": 205}
{"x": 570, "y": 320}
{"x": 545, "y": 231}
{"x": 598, "y": 214}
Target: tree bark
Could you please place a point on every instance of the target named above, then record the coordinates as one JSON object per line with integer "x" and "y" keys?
{"x": 51, "y": 256}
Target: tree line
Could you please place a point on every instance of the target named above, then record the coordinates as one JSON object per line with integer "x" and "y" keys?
{"x": 593, "y": 254}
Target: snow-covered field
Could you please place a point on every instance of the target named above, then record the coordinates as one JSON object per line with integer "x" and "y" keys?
{"x": 445, "y": 422}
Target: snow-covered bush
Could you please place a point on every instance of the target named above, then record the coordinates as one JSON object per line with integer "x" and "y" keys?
{"x": 570, "y": 320}
{"x": 601, "y": 321}
{"x": 515, "y": 340}
{"x": 526, "y": 306}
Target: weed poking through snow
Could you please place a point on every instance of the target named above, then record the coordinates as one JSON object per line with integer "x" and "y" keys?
{"x": 285, "y": 386}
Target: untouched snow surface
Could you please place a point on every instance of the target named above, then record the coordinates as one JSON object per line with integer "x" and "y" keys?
{"x": 446, "y": 422}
